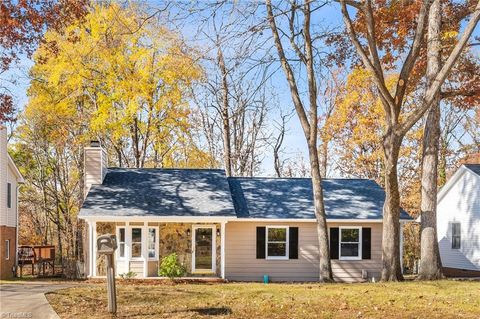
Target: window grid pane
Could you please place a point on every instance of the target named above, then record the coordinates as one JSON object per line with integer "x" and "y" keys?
{"x": 136, "y": 242}
{"x": 122, "y": 249}
{"x": 350, "y": 242}
{"x": 350, "y": 235}
{"x": 277, "y": 234}
{"x": 456, "y": 236}
{"x": 277, "y": 242}
{"x": 122, "y": 235}
{"x": 151, "y": 242}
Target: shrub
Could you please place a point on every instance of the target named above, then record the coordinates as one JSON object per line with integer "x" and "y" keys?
{"x": 170, "y": 267}
{"x": 128, "y": 275}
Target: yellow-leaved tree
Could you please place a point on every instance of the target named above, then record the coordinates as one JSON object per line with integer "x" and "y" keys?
{"x": 125, "y": 79}
{"x": 114, "y": 76}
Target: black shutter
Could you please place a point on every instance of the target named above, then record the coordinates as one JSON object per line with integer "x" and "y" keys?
{"x": 293, "y": 242}
{"x": 260, "y": 242}
{"x": 334, "y": 233}
{"x": 366, "y": 242}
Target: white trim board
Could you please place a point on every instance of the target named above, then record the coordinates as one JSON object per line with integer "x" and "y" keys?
{"x": 456, "y": 176}
{"x": 216, "y": 219}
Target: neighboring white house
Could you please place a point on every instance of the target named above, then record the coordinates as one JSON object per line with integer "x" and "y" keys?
{"x": 458, "y": 221}
{"x": 10, "y": 178}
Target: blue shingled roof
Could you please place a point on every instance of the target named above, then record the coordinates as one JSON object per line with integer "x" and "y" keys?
{"x": 293, "y": 198}
{"x": 208, "y": 192}
{"x": 473, "y": 167}
{"x": 160, "y": 192}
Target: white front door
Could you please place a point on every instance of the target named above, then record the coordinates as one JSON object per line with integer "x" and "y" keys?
{"x": 204, "y": 249}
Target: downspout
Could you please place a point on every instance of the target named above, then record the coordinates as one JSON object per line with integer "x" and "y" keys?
{"x": 16, "y": 229}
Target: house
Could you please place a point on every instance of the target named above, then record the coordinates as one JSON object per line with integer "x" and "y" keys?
{"x": 232, "y": 228}
{"x": 458, "y": 222}
{"x": 10, "y": 178}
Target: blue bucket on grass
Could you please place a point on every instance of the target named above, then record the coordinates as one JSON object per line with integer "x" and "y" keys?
{"x": 266, "y": 279}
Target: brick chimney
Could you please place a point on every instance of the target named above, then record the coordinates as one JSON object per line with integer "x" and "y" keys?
{"x": 95, "y": 165}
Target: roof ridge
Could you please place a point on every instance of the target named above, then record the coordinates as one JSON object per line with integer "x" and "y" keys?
{"x": 166, "y": 168}
{"x": 290, "y": 178}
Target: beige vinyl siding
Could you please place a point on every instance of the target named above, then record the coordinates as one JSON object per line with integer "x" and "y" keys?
{"x": 351, "y": 270}
{"x": 241, "y": 262}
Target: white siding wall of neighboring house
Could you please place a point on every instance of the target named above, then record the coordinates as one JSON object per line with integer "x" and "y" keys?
{"x": 11, "y": 220}
{"x": 3, "y": 175}
{"x": 460, "y": 203}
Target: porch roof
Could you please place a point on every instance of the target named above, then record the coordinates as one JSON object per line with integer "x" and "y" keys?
{"x": 160, "y": 192}
{"x": 292, "y": 198}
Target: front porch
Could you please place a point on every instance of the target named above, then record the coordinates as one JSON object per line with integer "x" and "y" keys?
{"x": 199, "y": 245}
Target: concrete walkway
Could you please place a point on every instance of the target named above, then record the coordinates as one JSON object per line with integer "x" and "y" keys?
{"x": 27, "y": 300}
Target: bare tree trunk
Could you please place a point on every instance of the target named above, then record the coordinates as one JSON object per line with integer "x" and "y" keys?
{"x": 227, "y": 151}
{"x": 442, "y": 163}
{"x": 430, "y": 263}
{"x": 324, "y": 158}
{"x": 391, "y": 270}
{"x": 309, "y": 125}
{"x": 278, "y": 145}
{"x": 326, "y": 274}
{"x": 136, "y": 141}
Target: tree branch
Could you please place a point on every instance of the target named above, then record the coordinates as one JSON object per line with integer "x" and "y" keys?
{"x": 297, "y": 102}
{"x": 412, "y": 55}
{"x": 440, "y": 78}
{"x": 384, "y": 93}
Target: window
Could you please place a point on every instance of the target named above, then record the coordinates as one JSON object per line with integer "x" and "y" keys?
{"x": 121, "y": 242}
{"x": 9, "y": 195}
{"x": 152, "y": 243}
{"x": 456, "y": 236}
{"x": 350, "y": 239}
{"x": 277, "y": 242}
{"x": 136, "y": 242}
{"x": 7, "y": 249}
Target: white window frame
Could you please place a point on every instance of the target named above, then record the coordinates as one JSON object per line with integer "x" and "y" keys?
{"x": 157, "y": 241}
{"x": 124, "y": 243}
{"x": 142, "y": 242}
{"x": 7, "y": 250}
{"x": 359, "y": 257}
{"x": 459, "y": 235}
{"x": 214, "y": 249}
{"x": 287, "y": 244}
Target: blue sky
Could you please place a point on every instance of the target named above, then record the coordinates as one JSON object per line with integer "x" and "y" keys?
{"x": 294, "y": 144}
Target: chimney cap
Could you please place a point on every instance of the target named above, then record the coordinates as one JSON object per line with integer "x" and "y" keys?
{"x": 94, "y": 143}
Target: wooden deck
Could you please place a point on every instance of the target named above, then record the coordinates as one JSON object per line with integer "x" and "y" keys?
{"x": 41, "y": 257}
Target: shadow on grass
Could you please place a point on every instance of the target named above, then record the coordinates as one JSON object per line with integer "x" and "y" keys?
{"x": 209, "y": 311}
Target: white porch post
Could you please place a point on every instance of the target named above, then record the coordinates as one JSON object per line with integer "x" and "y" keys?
{"x": 90, "y": 249}
{"x": 128, "y": 246}
{"x": 401, "y": 245}
{"x": 144, "y": 249}
{"x": 94, "y": 249}
{"x": 222, "y": 249}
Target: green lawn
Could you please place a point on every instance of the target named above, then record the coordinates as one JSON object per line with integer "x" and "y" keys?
{"x": 444, "y": 299}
